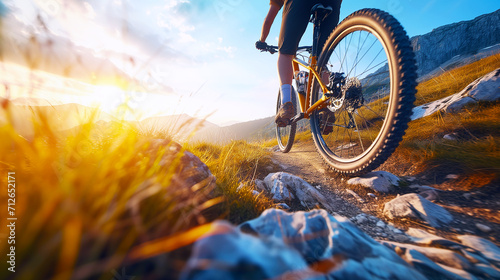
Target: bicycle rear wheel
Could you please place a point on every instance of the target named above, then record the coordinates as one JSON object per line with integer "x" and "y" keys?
{"x": 286, "y": 135}
{"x": 368, "y": 121}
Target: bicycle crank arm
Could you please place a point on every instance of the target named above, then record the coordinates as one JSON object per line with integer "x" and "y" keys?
{"x": 297, "y": 118}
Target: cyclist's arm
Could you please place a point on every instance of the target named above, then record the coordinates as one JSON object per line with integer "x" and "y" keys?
{"x": 268, "y": 22}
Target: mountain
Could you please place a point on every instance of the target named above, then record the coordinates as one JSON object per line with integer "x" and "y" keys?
{"x": 445, "y": 48}
{"x": 239, "y": 131}
{"x": 60, "y": 117}
{"x": 186, "y": 128}
{"x": 179, "y": 127}
{"x": 457, "y": 39}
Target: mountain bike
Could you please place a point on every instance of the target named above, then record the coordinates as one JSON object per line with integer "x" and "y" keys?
{"x": 357, "y": 91}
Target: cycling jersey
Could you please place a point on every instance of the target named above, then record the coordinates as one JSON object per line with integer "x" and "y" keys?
{"x": 296, "y": 15}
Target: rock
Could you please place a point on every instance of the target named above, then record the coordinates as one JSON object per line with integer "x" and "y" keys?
{"x": 286, "y": 186}
{"x": 483, "y": 228}
{"x": 380, "y": 181}
{"x": 318, "y": 236}
{"x": 486, "y": 88}
{"x": 242, "y": 254}
{"x": 435, "y": 263}
{"x": 278, "y": 187}
{"x": 380, "y": 224}
{"x": 467, "y": 196}
{"x": 190, "y": 170}
{"x": 410, "y": 178}
{"x": 372, "y": 195}
{"x": 258, "y": 249}
{"x": 401, "y": 238}
{"x": 421, "y": 188}
{"x": 255, "y": 193}
{"x": 283, "y": 206}
{"x": 361, "y": 218}
{"x": 423, "y": 237}
{"x": 451, "y": 176}
{"x": 351, "y": 192}
{"x": 260, "y": 185}
{"x": 430, "y": 195}
{"x": 396, "y": 230}
{"x": 415, "y": 206}
{"x": 451, "y": 137}
{"x": 489, "y": 270}
{"x": 486, "y": 247}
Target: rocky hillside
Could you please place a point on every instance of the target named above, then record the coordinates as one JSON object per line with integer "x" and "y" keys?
{"x": 446, "y": 42}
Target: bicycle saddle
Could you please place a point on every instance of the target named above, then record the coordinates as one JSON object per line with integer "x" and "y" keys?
{"x": 320, "y": 12}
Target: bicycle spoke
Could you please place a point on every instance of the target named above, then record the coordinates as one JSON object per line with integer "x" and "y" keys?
{"x": 361, "y": 59}
{"x": 368, "y": 69}
{"x": 377, "y": 65}
{"x": 369, "y": 124}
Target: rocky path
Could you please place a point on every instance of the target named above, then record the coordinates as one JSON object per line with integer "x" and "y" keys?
{"x": 473, "y": 213}
{"x": 433, "y": 228}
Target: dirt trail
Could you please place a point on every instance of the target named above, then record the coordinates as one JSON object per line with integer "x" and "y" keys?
{"x": 305, "y": 162}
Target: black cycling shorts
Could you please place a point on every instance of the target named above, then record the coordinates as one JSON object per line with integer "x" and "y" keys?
{"x": 296, "y": 15}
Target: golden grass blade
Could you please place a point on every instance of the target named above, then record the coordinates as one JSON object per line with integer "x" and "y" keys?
{"x": 70, "y": 246}
{"x": 168, "y": 244}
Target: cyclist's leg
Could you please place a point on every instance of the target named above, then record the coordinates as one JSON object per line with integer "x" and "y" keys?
{"x": 285, "y": 72}
{"x": 296, "y": 15}
{"x": 294, "y": 24}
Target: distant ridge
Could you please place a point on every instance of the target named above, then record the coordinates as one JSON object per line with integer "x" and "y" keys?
{"x": 456, "y": 39}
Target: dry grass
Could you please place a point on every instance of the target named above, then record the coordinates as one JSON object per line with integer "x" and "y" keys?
{"x": 236, "y": 164}
{"x": 474, "y": 150}
{"x": 91, "y": 200}
{"x": 476, "y": 129}
{"x": 455, "y": 80}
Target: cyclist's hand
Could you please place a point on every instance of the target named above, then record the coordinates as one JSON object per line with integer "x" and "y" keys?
{"x": 262, "y": 46}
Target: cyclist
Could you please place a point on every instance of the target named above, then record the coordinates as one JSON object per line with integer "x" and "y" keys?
{"x": 296, "y": 14}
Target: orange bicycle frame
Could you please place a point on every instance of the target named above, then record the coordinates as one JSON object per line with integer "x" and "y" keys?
{"x": 305, "y": 101}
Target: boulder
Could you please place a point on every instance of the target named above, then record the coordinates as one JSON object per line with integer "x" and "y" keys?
{"x": 277, "y": 186}
{"x": 284, "y": 186}
{"x": 228, "y": 253}
{"x": 189, "y": 169}
{"x": 450, "y": 261}
{"x": 300, "y": 245}
{"x": 486, "y": 247}
{"x": 486, "y": 88}
{"x": 415, "y": 206}
{"x": 380, "y": 181}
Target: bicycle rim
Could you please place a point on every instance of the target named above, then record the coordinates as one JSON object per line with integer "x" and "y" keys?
{"x": 286, "y": 135}
{"x": 367, "y": 123}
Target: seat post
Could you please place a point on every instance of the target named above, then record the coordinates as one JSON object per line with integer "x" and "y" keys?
{"x": 319, "y": 13}
{"x": 316, "y": 34}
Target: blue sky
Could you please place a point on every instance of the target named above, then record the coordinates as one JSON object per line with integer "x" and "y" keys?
{"x": 201, "y": 52}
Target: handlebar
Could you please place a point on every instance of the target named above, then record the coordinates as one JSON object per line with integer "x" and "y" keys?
{"x": 274, "y": 49}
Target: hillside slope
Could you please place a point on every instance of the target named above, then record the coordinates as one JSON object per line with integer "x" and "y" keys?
{"x": 466, "y": 37}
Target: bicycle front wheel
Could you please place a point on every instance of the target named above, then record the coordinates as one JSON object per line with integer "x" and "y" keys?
{"x": 286, "y": 135}
{"x": 361, "y": 127}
